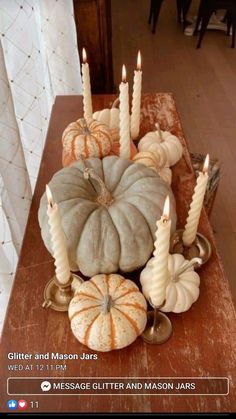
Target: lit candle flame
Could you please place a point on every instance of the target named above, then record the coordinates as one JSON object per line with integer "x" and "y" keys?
{"x": 84, "y": 56}
{"x": 139, "y": 61}
{"x": 206, "y": 164}
{"x": 166, "y": 209}
{"x": 123, "y": 73}
{"x": 49, "y": 196}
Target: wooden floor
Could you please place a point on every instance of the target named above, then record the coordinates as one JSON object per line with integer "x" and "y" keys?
{"x": 204, "y": 84}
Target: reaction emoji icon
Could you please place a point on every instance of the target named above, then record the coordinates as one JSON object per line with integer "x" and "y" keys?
{"x": 12, "y": 404}
{"x": 22, "y": 404}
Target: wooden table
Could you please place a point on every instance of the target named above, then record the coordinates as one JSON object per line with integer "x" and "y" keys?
{"x": 204, "y": 338}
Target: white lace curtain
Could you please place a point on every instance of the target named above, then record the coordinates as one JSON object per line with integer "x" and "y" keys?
{"x": 38, "y": 60}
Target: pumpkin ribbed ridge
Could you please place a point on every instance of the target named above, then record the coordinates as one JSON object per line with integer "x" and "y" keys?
{"x": 77, "y": 313}
{"x": 130, "y": 320}
{"x": 131, "y": 305}
{"x": 86, "y": 336}
{"x": 95, "y": 285}
{"x": 126, "y": 293}
{"x": 113, "y": 333}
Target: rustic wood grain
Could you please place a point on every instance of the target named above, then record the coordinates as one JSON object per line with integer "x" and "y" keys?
{"x": 204, "y": 338}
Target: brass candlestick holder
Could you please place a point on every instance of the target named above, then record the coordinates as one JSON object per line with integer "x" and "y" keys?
{"x": 57, "y": 296}
{"x": 200, "y": 248}
{"x": 159, "y": 328}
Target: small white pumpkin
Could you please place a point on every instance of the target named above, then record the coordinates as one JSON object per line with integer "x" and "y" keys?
{"x": 109, "y": 117}
{"x": 183, "y": 283}
{"x": 107, "y": 312}
{"x": 152, "y": 160}
{"x": 162, "y": 141}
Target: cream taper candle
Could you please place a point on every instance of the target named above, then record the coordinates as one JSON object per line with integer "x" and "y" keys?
{"x": 136, "y": 100}
{"x": 194, "y": 213}
{"x": 124, "y": 117}
{"x": 160, "y": 262}
{"x": 87, "y": 97}
{"x": 58, "y": 241}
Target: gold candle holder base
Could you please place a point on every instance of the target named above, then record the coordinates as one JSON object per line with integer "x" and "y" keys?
{"x": 158, "y": 329}
{"x": 200, "y": 248}
{"x": 57, "y": 296}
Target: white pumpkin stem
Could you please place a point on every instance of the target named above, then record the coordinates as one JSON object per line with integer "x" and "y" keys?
{"x": 115, "y": 104}
{"x": 159, "y": 131}
{"x": 185, "y": 266}
{"x": 105, "y": 198}
{"x": 107, "y": 303}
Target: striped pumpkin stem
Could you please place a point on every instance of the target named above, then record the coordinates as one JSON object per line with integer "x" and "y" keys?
{"x": 105, "y": 198}
{"x": 107, "y": 304}
{"x": 84, "y": 126}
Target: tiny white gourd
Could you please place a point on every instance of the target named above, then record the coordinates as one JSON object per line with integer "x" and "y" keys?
{"x": 109, "y": 117}
{"x": 183, "y": 283}
{"x": 153, "y": 160}
{"x": 162, "y": 142}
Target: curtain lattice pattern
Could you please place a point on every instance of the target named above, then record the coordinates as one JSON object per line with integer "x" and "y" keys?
{"x": 38, "y": 60}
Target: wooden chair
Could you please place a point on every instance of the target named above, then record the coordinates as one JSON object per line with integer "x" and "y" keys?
{"x": 207, "y": 8}
{"x": 155, "y": 7}
{"x": 182, "y": 9}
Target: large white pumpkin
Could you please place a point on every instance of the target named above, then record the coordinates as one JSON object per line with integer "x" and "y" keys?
{"x": 162, "y": 141}
{"x": 107, "y": 312}
{"x": 183, "y": 283}
{"x": 108, "y": 213}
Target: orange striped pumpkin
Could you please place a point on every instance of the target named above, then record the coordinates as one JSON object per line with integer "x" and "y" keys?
{"x": 87, "y": 139}
{"x": 107, "y": 312}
